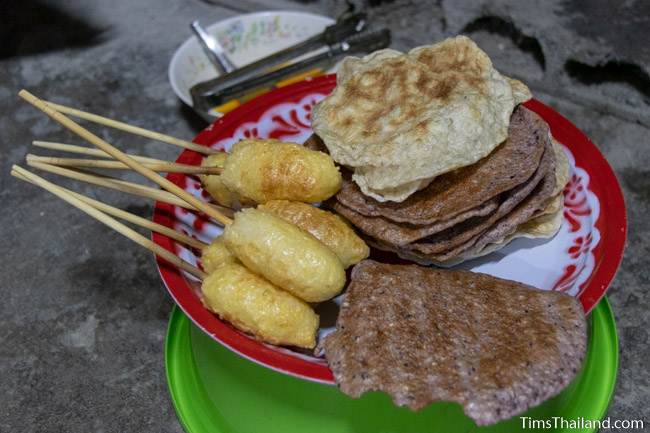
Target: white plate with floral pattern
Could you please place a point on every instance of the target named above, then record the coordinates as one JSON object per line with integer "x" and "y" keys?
{"x": 245, "y": 38}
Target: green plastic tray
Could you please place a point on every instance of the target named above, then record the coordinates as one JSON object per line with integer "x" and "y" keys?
{"x": 215, "y": 390}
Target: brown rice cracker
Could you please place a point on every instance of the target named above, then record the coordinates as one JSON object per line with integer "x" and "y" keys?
{"x": 400, "y": 234}
{"x": 451, "y": 194}
{"x": 533, "y": 193}
{"x": 497, "y": 347}
{"x": 522, "y": 213}
{"x": 451, "y": 242}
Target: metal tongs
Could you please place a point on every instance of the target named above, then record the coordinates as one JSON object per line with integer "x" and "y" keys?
{"x": 212, "y": 49}
{"x": 343, "y": 37}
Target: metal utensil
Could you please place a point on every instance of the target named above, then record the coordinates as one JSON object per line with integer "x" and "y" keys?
{"x": 240, "y": 86}
{"x": 346, "y": 25}
{"x": 212, "y": 49}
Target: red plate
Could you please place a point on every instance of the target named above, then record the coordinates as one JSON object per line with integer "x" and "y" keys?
{"x": 581, "y": 259}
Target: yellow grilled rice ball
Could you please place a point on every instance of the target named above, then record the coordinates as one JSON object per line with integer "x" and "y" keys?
{"x": 325, "y": 226}
{"x": 254, "y": 305}
{"x": 263, "y": 170}
{"x": 212, "y": 182}
{"x": 287, "y": 256}
{"x": 216, "y": 255}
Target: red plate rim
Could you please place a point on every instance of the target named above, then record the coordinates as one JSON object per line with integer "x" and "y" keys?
{"x": 612, "y": 225}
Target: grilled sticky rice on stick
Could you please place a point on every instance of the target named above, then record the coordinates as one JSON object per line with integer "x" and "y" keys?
{"x": 327, "y": 227}
{"x": 261, "y": 170}
{"x": 248, "y": 301}
{"x": 283, "y": 256}
{"x": 497, "y": 347}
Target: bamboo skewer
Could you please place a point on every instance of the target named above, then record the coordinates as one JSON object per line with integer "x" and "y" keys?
{"x": 109, "y": 221}
{"x": 158, "y": 165}
{"x": 132, "y": 218}
{"x": 110, "y": 182}
{"x": 121, "y": 156}
{"x": 82, "y": 150}
{"x": 136, "y": 130}
{"x": 121, "y": 185}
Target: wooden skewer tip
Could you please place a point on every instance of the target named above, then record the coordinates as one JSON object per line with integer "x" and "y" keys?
{"x": 109, "y": 221}
{"x": 121, "y": 156}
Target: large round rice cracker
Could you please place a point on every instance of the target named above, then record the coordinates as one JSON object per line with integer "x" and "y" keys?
{"x": 400, "y": 120}
{"x": 546, "y": 225}
{"x": 546, "y": 222}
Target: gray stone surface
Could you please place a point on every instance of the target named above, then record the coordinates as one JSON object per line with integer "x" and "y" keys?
{"x": 84, "y": 313}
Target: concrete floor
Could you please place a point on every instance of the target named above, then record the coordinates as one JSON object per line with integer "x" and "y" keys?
{"x": 84, "y": 312}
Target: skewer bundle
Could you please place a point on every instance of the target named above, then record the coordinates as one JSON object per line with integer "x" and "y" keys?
{"x": 261, "y": 274}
